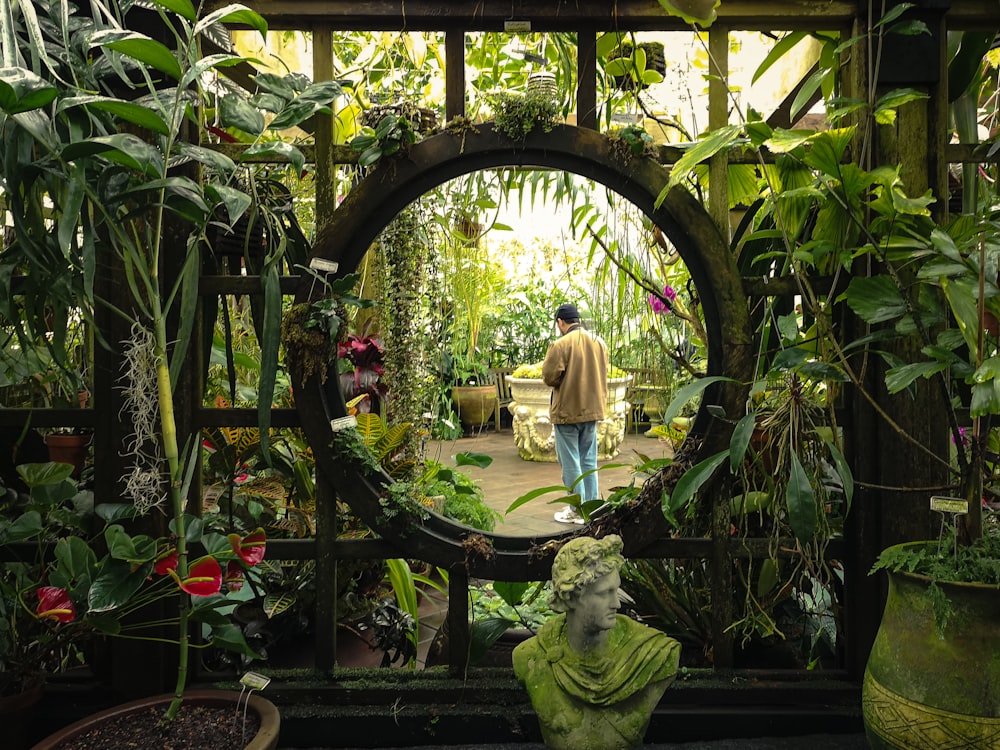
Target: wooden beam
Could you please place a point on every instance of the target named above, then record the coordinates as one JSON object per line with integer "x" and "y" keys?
{"x": 454, "y": 69}
{"x": 490, "y": 15}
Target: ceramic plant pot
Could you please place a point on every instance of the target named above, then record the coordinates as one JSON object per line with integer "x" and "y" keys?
{"x": 265, "y": 739}
{"x": 927, "y": 689}
{"x": 475, "y": 404}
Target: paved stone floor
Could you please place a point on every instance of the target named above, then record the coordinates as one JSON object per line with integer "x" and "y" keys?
{"x": 510, "y": 476}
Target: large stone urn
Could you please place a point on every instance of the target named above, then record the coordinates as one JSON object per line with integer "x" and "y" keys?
{"x": 931, "y": 689}
{"x": 534, "y": 435}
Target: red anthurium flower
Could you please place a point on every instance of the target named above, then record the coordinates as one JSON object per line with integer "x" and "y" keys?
{"x": 55, "y": 604}
{"x": 234, "y": 576}
{"x": 166, "y": 561}
{"x": 249, "y": 548}
{"x": 204, "y": 577}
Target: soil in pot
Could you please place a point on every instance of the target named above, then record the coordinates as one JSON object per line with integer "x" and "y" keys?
{"x": 213, "y": 723}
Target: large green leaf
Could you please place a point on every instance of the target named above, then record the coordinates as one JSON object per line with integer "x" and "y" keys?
{"x": 238, "y": 15}
{"x": 875, "y": 299}
{"x": 778, "y": 51}
{"x": 116, "y": 582}
{"x": 898, "y": 378}
{"x": 801, "y": 501}
{"x": 844, "y": 472}
{"x": 692, "y": 481}
{"x": 22, "y": 91}
{"x": 139, "y": 47}
{"x": 137, "y": 114}
{"x": 123, "y": 546}
{"x": 964, "y": 67}
{"x": 468, "y": 458}
{"x": 688, "y": 392}
{"x": 740, "y": 440}
{"x": 46, "y": 473}
{"x": 27, "y": 525}
{"x": 705, "y": 148}
{"x": 183, "y": 8}
{"x": 276, "y": 148}
{"x": 701, "y": 12}
{"x": 122, "y": 148}
{"x": 236, "y": 112}
{"x": 75, "y": 559}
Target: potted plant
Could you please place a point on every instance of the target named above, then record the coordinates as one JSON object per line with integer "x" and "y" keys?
{"x": 31, "y": 650}
{"x": 942, "y": 596}
{"x": 135, "y": 203}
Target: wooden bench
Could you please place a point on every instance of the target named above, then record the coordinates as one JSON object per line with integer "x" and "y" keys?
{"x": 503, "y": 392}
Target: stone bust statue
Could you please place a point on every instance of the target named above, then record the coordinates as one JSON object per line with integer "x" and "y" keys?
{"x": 593, "y": 676}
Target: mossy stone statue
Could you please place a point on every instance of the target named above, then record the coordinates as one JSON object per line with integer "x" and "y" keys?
{"x": 594, "y": 676}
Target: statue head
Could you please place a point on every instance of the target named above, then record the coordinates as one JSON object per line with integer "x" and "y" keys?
{"x": 579, "y": 563}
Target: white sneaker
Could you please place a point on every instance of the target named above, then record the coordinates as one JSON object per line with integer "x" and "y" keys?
{"x": 568, "y": 515}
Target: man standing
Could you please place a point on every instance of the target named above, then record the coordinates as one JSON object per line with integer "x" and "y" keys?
{"x": 576, "y": 368}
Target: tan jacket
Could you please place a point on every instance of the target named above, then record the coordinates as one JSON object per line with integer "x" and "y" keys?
{"x": 576, "y": 367}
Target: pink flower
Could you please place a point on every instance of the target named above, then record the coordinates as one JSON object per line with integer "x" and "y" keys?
{"x": 663, "y": 303}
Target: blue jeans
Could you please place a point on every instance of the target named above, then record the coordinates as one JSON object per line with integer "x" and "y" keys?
{"x": 576, "y": 449}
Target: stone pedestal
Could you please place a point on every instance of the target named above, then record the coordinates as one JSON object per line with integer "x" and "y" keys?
{"x": 534, "y": 435}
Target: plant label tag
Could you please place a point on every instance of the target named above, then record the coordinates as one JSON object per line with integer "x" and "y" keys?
{"x": 949, "y": 504}
{"x": 326, "y": 266}
{"x": 343, "y": 423}
{"x": 516, "y": 26}
{"x": 255, "y": 680}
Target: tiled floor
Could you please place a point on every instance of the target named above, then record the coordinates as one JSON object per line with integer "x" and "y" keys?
{"x": 509, "y": 476}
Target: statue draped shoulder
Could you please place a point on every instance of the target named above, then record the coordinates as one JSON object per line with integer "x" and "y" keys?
{"x": 601, "y": 700}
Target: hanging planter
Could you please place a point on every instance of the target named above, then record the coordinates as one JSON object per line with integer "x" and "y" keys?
{"x": 628, "y": 74}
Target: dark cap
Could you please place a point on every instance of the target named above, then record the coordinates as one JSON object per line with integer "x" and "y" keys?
{"x": 567, "y": 312}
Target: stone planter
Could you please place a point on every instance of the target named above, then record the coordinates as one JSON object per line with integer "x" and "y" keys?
{"x": 925, "y": 691}
{"x": 534, "y": 435}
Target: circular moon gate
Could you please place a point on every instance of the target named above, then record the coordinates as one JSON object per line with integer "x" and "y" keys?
{"x": 396, "y": 183}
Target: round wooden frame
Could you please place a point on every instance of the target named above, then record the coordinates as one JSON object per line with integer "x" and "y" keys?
{"x": 397, "y": 182}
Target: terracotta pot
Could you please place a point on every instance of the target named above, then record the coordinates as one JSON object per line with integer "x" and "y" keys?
{"x": 68, "y": 449}
{"x": 265, "y": 739}
{"x": 928, "y": 690}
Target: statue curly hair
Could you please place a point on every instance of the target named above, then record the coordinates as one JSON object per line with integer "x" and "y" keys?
{"x": 579, "y": 563}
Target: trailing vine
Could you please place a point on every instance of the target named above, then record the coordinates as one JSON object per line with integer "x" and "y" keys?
{"x": 404, "y": 252}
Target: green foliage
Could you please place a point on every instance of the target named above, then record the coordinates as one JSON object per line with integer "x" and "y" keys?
{"x": 463, "y": 498}
{"x": 498, "y": 606}
{"x": 515, "y": 114}
{"x": 392, "y": 136}
{"x": 978, "y": 562}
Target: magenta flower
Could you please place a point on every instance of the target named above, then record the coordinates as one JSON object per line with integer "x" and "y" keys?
{"x": 663, "y": 303}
